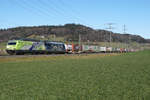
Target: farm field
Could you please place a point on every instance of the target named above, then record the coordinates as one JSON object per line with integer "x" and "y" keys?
{"x": 79, "y": 77}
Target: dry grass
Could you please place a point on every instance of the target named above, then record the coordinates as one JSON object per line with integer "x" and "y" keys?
{"x": 31, "y": 58}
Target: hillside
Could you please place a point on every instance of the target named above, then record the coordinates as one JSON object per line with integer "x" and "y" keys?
{"x": 70, "y": 32}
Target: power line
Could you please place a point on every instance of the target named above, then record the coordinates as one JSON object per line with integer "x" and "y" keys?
{"x": 33, "y": 6}
{"x": 56, "y": 8}
{"x": 52, "y": 6}
{"x": 73, "y": 12}
{"x": 68, "y": 7}
{"x": 42, "y": 10}
{"x": 31, "y": 9}
{"x": 47, "y": 9}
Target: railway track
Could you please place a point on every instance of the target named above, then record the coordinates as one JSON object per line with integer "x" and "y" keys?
{"x": 46, "y": 55}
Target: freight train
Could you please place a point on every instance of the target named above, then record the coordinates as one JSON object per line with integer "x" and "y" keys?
{"x": 30, "y": 46}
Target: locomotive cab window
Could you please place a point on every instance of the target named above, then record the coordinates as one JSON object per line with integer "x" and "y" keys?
{"x": 12, "y": 43}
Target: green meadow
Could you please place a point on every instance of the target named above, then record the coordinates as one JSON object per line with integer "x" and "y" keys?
{"x": 79, "y": 77}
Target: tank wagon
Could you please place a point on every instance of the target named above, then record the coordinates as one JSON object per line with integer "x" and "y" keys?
{"x": 23, "y": 46}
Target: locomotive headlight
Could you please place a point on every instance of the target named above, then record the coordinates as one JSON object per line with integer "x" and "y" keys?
{"x": 10, "y": 48}
{"x": 7, "y": 47}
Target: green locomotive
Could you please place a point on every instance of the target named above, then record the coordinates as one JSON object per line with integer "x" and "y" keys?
{"x": 23, "y": 46}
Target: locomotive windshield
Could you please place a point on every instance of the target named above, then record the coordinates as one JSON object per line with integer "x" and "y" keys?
{"x": 12, "y": 43}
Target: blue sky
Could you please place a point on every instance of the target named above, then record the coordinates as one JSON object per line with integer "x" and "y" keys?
{"x": 93, "y": 13}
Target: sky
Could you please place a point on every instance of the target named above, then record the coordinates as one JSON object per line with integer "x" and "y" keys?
{"x": 92, "y": 13}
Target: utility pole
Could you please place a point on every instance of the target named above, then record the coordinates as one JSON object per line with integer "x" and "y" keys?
{"x": 128, "y": 42}
{"x": 79, "y": 42}
{"x": 54, "y": 37}
{"x": 124, "y": 32}
{"x": 110, "y": 34}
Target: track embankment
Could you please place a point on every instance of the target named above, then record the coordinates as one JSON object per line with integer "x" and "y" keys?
{"x": 12, "y": 58}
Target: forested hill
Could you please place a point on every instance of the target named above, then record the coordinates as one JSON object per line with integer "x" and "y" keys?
{"x": 70, "y": 32}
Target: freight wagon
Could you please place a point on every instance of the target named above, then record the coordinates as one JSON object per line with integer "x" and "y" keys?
{"x": 103, "y": 49}
{"x": 96, "y": 49}
{"x": 90, "y": 48}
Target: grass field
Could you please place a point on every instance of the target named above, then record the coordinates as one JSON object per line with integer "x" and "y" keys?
{"x": 84, "y": 77}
